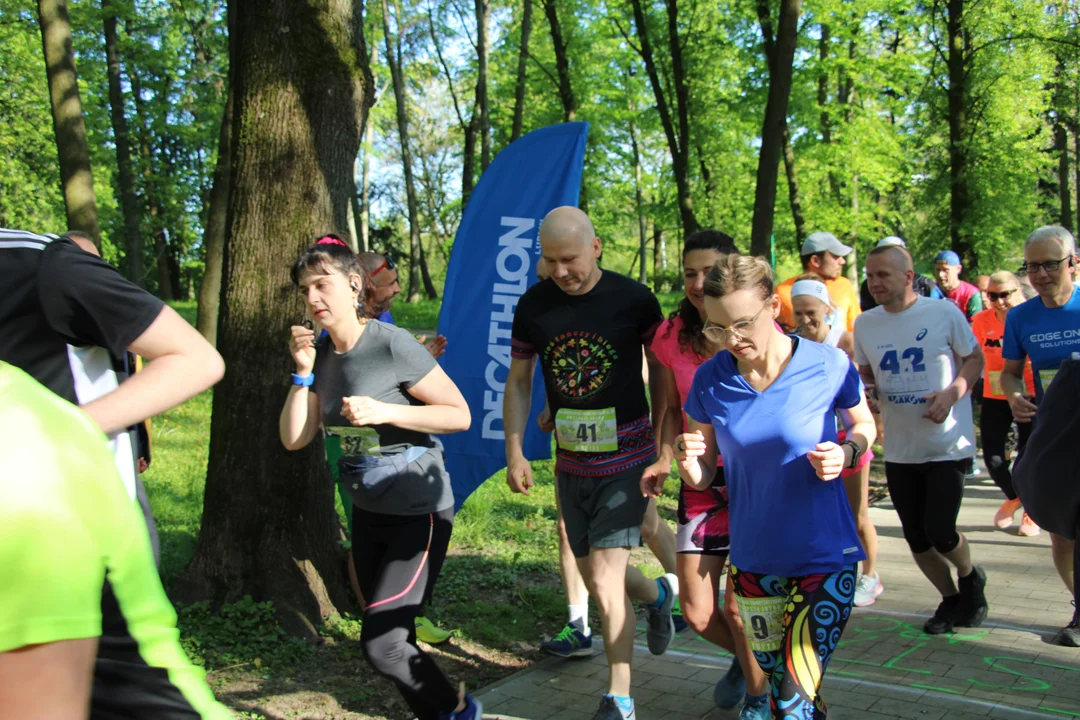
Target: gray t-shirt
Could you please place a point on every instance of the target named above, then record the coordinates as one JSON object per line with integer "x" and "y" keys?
{"x": 384, "y": 468}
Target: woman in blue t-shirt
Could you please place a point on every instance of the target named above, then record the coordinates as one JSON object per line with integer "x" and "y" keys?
{"x": 768, "y": 405}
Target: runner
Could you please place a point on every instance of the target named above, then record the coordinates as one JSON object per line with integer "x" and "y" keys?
{"x": 768, "y": 407}
{"x": 816, "y": 319}
{"x": 703, "y": 540}
{"x": 588, "y": 328}
{"x": 983, "y": 283}
{"x": 923, "y": 286}
{"x": 1044, "y": 330}
{"x": 63, "y": 532}
{"x": 922, "y": 358}
{"x": 960, "y": 293}
{"x": 379, "y": 396}
{"x": 995, "y": 419}
{"x": 823, "y": 255}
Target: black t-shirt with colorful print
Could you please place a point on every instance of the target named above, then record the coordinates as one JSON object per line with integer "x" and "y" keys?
{"x": 590, "y": 349}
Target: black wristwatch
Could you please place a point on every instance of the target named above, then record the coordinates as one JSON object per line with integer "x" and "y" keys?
{"x": 855, "y": 454}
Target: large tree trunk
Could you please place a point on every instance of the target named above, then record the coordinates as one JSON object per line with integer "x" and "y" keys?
{"x": 639, "y": 202}
{"x": 483, "y": 20}
{"x": 214, "y": 236}
{"x": 775, "y": 123}
{"x": 562, "y": 62}
{"x": 125, "y": 173}
{"x": 793, "y": 188}
{"x": 76, "y": 179}
{"x": 959, "y": 189}
{"x": 522, "y": 77}
{"x": 397, "y": 75}
{"x": 678, "y": 139}
{"x": 1061, "y": 148}
{"x": 300, "y": 98}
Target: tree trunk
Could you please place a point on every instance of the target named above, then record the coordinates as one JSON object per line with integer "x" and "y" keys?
{"x": 772, "y": 129}
{"x": 365, "y": 185}
{"x": 72, "y": 151}
{"x": 429, "y": 286}
{"x": 823, "y": 84}
{"x": 1061, "y": 146}
{"x": 1076, "y": 166}
{"x": 125, "y": 173}
{"x": 214, "y": 237}
{"x": 397, "y": 75}
{"x": 659, "y": 261}
{"x": 562, "y": 62}
{"x": 299, "y": 102}
{"x": 523, "y": 58}
{"x": 793, "y": 188}
{"x": 483, "y": 20}
{"x": 851, "y": 262}
{"x": 678, "y": 140}
{"x": 959, "y": 190}
{"x": 639, "y": 202}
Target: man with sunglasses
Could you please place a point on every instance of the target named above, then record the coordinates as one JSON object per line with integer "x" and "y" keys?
{"x": 1045, "y": 329}
{"x": 383, "y": 273}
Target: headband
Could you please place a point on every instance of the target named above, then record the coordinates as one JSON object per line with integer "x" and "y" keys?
{"x": 813, "y": 288}
{"x": 328, "y": 240}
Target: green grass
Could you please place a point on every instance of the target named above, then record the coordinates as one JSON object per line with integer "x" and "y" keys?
{"x": 422, "y": 315}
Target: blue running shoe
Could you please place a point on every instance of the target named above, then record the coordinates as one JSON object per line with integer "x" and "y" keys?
{"x": 677, "y": 618}
{"x": 660, "y": 627}
{"x": 571, "y": 642}
{"x": 756, "y": 710}
{"x": 473, "y": 711}
{"x": 610, "y": 710}
{"x": 731, "y": 688}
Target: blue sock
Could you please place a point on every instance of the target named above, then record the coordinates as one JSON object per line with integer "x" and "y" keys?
{"x": 625, "y": 704}
{"x": 661, "y": 595}
{"x": 756, "y": 699}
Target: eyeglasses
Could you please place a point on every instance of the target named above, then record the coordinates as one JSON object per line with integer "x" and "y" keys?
{"x": 1049, "y": 266}
{"x": 739, "y": 331}
{"x": 999, "y": 295}
{"x": 387, "y": 264}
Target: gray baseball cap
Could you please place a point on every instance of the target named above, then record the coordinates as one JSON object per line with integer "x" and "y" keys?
{"x": 822, "y": 241}
{"x": 892, "y": 240}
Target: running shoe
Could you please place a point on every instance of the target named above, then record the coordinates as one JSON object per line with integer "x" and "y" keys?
{"x": 1003, "y": 518}
{"x": 1070, "y": 634}
{"x": 661, "y": 628}
{"x": 973, "y": 607}
{"x": 731, "y": 688}
{"x": 677, "y": 617}
{"x": 1028, "y": 528}
{"x": 609, "y": 710}
{"x": 942, "y": 621}
{"x": 758, "y": 710}
{"x": 427, "y": 632}
{"x": 867, "y": 589}
{"x": 570, "y": 642}
{"x": 473, "y": 711}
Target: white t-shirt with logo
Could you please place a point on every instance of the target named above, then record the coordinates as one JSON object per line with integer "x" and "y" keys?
{"x": 914, "y": 353}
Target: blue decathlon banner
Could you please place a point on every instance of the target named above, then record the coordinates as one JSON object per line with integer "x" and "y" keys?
{"x": 492, "y": 264}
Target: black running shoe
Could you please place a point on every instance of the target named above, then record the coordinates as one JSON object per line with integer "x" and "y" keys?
{"x": 1070, "y": 634}
{"x": 942, "y": 621}
{"x": 973, "y": 606}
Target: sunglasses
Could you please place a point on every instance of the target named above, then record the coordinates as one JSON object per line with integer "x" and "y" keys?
{"x": 999, "y": 295}
{"x": 387, "y": 264}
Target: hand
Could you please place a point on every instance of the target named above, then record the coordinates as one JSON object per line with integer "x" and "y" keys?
{"x": 436, "y": 347}
{"x": 940, "y": 403}
{"x": 872, "y": 400}
{"x": 544, "y": 421}
{"x": 302, "y": 348}
{"x": 519, "y": 475}
{"x": 142, "y": 466}
{"x": 688, "y": 448}
{"x": 1022, "y": 407}
{"x": 361, "y": 411}
{"x": 827, "y": 459}
{"x": 652, "y": 479}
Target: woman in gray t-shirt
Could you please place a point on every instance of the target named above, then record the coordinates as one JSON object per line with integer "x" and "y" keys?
{"x": 378, "y": 396}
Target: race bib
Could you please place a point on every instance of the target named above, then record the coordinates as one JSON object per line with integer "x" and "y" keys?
{"x": 1046, "y": 377}
{"x": 587, "y": 431}
{"x": 995, "y": 382}
{"x": 763, "y": 622}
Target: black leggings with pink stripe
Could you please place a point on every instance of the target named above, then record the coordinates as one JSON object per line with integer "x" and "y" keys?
{"x": 397, "y": 560}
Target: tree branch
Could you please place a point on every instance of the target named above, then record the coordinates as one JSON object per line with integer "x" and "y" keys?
{"x": 445, "y": 67}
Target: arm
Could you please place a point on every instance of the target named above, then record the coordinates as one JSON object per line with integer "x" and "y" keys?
{"x": 444, "y": 409}
{"x": 516, "y": 402}
{"x": 51, "y": 680}
{"x": 299, "y": 419}
{"x": 940, "y": 403}
{"x": 667, "y": 414}
{"x": 1012, "y": 385}
{"x": 830, "y": 459}
{"x": 867, "y": 376}
{"x": 847, "y": 344}
{"x": 183, "y": 365}
{"x": 697, "y": 462}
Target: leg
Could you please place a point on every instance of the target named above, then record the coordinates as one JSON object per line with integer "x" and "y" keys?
{"x": 574, "y": 585}
{"x": 857, "y": 486}
{"x": 937, "y": 570}
{"x": 1063, "y": 550}
{"x": 409, "y": 555}
{"x": 660, "y": 538}
{"x": 757, "y": 683}
{"x": 699, "y": 588}
{"x": 944, "y": 494}
{"x": 605, "y": 573}
{"x": 907, "y": 489}
{"x": 996, "y": 419}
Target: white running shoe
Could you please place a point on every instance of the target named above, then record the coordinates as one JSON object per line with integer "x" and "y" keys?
{"x": 867, "y": 589}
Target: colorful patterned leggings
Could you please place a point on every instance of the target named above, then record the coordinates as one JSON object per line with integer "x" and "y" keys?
{"x": 793, "y": 625}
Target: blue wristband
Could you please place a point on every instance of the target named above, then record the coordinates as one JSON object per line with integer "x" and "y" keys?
{"x": 303, "y": 380}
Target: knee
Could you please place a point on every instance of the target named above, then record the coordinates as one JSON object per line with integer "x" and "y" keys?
{"x": 946, "y": 541}
{"x": 697, "y": 615}
{"x": 732, "y": 616}
{"x": 385, "y": 652}
{"x": 995, "y": 463}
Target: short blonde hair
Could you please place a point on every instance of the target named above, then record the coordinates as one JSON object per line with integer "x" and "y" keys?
{"x": 1004, "y": 277}
{"x": 739, "y": 272}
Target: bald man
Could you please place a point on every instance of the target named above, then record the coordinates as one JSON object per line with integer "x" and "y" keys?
{"x": 907, "y": 350}
{"x": 588, "y": 328}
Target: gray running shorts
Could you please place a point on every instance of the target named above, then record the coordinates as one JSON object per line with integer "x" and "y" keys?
{"x": 602, "y": 512}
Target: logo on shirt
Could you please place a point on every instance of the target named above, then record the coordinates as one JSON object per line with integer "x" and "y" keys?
{"x": 992, "y": 343}
{"x": 921, "y": 335}
{"x": 581, "y": 364}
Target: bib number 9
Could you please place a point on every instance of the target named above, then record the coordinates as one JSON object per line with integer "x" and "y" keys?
{"x": 590, "y": 431}
{"x": 763, "y": 620}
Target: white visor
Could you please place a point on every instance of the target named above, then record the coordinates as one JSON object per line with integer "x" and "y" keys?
{"x": 813, "y": 288}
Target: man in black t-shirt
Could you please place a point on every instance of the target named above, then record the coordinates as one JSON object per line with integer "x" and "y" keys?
{"x": 588, "y": 328}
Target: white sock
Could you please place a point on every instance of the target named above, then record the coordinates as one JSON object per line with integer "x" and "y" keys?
{"x": 579, "y": 617}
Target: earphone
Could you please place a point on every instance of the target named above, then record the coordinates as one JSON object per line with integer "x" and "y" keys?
{"x": 354, "y": 286}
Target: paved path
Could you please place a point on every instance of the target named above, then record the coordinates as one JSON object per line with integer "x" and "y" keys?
{"x": 885, "y": 666}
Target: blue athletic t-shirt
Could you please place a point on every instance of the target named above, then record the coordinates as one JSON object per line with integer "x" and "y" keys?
{"x": 1046, "y": 335}
{"x": 785, "y": 520}
{"x": 385, "y": 317}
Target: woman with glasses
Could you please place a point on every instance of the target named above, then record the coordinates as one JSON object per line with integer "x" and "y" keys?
{"x": 769, "y": 405}
{"x": 816, "y": 319}
{"x": 996, "y": 418}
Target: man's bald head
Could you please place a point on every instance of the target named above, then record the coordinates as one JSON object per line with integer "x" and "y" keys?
{"x": 566, "y": 223}
{"x": 889, "y": 277}
{"x": 83, "y": 241}
{"x": 898, "y": 257}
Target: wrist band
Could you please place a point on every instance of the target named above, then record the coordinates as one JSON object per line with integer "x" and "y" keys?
{"x": 303, "y": 380}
